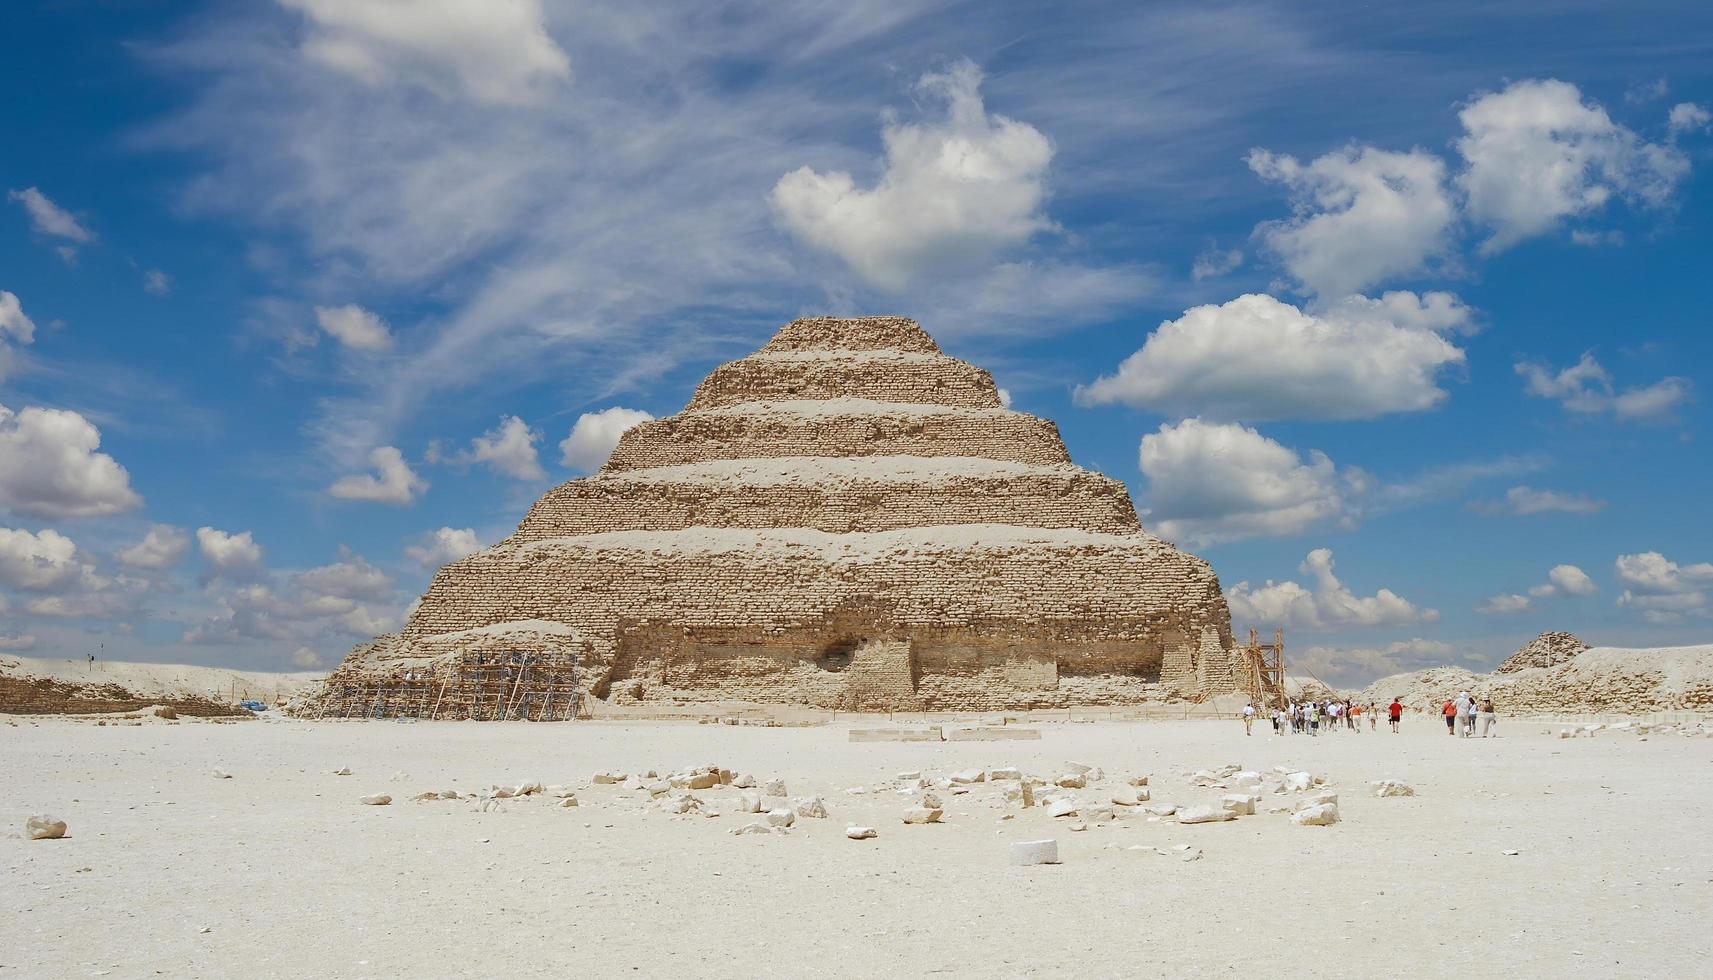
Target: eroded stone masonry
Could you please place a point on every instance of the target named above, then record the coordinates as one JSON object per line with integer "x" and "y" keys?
{"x": 847, "y": 518}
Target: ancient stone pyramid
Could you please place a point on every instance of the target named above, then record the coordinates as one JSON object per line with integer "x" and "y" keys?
{"x": 846, "y": 518}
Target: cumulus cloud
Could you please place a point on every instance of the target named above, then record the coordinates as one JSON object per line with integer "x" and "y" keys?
{"x": 48, "y": 218}
{"x": 1663, "y": 590}
{"x": 492, "y": 51}
{"x": 162, "y": 547}
{"x": 1687, "y": 117}
{"x": 1356, "y": 666}
{"x": 39, "y": 561}
{"x": 1210, "y": 482}
{"x": 348, "y": 598}
{"x": 1527, "y": 500}
{"x": 1537, "y": 154}
{"x": 1569, "y": 580}
{"x": 1325, "y": 603}
{"x": 507, "y": 448}
{"x": 15, "y": 328}
{"x": 354, "y": 327}
{"x": 594, "y": 435}
{"x": 1257, "y": 358}
{"x": 448, "y": 544}
{"x": 49, "y": 467}
{"x": 227, "y": 554}
{"x": 17, "y": 643}
{"x": 952, "y": 192}
{"x": 1362, "y": 216}
{"x": 1215, "y": 262}
{"x": 304, "y": 658}
{"x": 1586, "y": 388}
{"x": 393, "y": 481}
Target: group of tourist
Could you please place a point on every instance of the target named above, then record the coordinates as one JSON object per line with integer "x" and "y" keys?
{"x": 1462, "y": 714}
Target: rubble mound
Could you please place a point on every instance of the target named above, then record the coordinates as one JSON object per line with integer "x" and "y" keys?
{"x": 1546, "y": 650}
{"x": 1599, "y": 680}
{"x": 847, "y": 518}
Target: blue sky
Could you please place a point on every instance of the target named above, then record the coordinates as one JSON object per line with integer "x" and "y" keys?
{"x": 1395, "y": 314}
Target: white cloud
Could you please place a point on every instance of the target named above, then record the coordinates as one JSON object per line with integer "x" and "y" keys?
{"x": 594, "y": 435}
{"x": 1570, "y": 580}
{"x": 1211, "y": 482}
{"x": 1686, "y": 117}
{"x": 1004, "y": 398}
{"x": 953, "y": 191}
{"x": 304, "y": 658}
{"x": 1528, "y": 500}
{"x": 15, "y": 327}
{"x": 1325, "y": 604}
{"x": 17, "y": 643}
{"x": 1663, "y": 590}
{"x": 162, "y": 547}
{"x": 1215, "y": 262}
{"x": 393, "y": 481}
{"x": 48, "y": 218}
{"x": 508, "y": 448}
{"x": 1504, "y": 604}
{"x": 496, "y": 51}
{"x": 1355, "y": 666}
{"x": 445, "y": 545}
{"x": 49, "y": 467}
{"x": 40, "y": 562}
{"x": 1363, "y": 216}
{"x": 319, "y": 604}
{"x": 1659, "y": 400}
{"x": 1587, "y": 389}
{"x": 156, "y": 282}
{"x": 1537, "y": 154}
{"x": 1256, "y": 358}
{"x": 227, "y": 554}
{"x": 354, "y": 327}
{"x": 351, "y": 578}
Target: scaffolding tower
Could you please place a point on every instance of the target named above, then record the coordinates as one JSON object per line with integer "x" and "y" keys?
{"x": 513, "y": 685}
{"x": 1264, "y": 670}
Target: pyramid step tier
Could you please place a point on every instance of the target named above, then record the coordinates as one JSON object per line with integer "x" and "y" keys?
{"x": 843, "y": 427}
{"x": 875, "y": 493}
{"x": 882, "y": 376}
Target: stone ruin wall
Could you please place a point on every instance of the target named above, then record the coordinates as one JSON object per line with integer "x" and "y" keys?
{"x": 846, "y": 519}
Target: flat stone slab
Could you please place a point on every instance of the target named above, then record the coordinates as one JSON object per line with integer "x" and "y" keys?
{"x": 897, "y": 734}
{"x": 1005, "y": 733}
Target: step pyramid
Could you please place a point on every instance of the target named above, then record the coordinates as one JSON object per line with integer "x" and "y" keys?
{"x": 847, "y": 518}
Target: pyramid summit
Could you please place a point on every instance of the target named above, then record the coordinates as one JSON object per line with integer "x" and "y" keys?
{"x": 847, "y": 518}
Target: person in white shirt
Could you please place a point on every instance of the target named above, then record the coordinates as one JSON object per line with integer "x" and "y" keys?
{"x": 1248, "y": 718}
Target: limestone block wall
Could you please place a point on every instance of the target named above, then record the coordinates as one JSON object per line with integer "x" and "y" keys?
{"x": 845, "y": 429}
{"x": 1050, "y": 496}
{"x": 907, "y": 379}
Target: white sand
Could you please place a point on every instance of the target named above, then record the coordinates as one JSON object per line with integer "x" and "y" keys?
{"x": 166, "y": 680}
{"x": 290, "y": 877}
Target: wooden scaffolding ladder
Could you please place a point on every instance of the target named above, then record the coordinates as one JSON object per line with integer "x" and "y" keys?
{"x": 1264, "y": 670}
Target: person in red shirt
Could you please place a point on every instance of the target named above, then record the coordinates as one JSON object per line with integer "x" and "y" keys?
{"x": 1396, "y": 710}
{"x": 1450, "y": 711}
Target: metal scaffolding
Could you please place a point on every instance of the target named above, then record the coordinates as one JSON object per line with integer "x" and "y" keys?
{"x": 513, "y": 685}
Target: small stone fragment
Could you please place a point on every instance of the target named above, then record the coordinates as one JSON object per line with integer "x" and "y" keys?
{"x": 922, "y": 814}
{"x": 1204, "y": 814}
{"x": 1316, "y": 815}
{"x": 809, "y": 806}
{"x": 781, "y": 817}
{"x": 861, "y": 833}
{"x": 376, "y": 799}
{"x": 44, "y": 827}
{"x": 773, "y": 787}
{"x": 1240, "y": 804}
{"x": 1392, "y": 787}
{"x": 1025, "y": 853}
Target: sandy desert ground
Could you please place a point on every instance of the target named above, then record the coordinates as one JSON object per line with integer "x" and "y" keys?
{"x": 279, "y": 871}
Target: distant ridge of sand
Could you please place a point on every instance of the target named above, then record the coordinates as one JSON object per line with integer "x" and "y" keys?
{"x": 37, "y": 685}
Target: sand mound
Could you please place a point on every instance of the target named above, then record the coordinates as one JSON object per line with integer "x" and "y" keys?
{"x": 30, "y": 685}
{"x": 1596, "y": 680}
